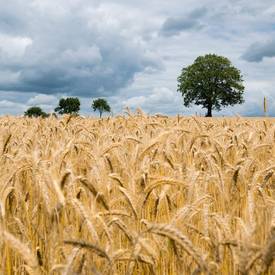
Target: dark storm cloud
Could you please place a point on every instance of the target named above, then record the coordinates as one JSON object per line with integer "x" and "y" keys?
{"x": 175, "y": 25}
{"x": 258, "y": 51}
{"x": 71, "y": 50}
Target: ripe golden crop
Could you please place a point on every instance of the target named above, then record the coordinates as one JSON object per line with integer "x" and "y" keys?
{"x": 137, "y": 194}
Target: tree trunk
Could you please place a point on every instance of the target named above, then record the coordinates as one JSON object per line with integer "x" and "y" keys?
{"x": 209, "y": 111}
{"x": 100, "y": 114}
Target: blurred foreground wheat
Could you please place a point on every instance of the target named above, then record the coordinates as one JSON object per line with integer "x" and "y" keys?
{"x": 137, "y": 194}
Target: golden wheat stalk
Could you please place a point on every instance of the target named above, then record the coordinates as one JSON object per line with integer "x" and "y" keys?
{"x": 174, "y": 234}
{"x": 23, "y": 250}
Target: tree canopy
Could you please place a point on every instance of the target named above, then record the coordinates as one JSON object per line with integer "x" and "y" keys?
{"x": 35, "y": 112}
{"x": 212, "y": 82}
{"x": 70, "y": 105}
{"x": 101, "y": 105}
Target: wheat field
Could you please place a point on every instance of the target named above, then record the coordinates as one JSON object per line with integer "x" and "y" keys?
{"x": 137, "y": 194}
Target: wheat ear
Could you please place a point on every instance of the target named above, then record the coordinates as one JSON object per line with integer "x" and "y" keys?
{"x": 174, "y": 234}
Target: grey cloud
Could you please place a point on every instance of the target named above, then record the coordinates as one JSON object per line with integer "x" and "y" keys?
{"x": 258, "y": 51}
{"x": 11, "y": 16}
{"x": 175, "y": 25}
{"x": 74, "y": 51}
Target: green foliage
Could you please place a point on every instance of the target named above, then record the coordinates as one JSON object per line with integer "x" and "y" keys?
{"x": 101, "y": 105}
{"x": 212, "y": 82}
{"x": 70, "y": 105}
{"x": 35, "y": 112}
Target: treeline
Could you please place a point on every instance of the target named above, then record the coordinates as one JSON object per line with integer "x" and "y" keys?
{"x": 70, "y": 105}
{"x": 211, "y": 82}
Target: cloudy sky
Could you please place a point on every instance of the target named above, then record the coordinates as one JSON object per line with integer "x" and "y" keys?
{"x": 130, "y": 52}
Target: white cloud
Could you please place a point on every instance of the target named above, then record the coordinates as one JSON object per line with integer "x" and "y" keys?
{"x": 158, "y": 100}
{"x": 13, "y": 46}
{"x": 42, "y": 99}
{"x": 6, "y": 106}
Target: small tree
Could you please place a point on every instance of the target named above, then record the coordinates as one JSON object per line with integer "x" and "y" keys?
{"x": 70, "y": 105}
{"x": 35, "y": 112}
{"x": 212, "y": 82}
{"x": 101, "y": 105}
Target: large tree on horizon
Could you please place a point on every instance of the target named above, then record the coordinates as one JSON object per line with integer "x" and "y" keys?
{"x": 212, "y": 82}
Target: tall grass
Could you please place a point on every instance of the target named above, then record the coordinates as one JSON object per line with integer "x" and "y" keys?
{"x": 137, "y": 194}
